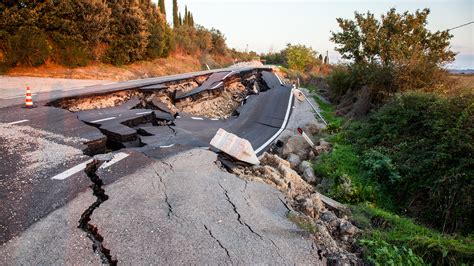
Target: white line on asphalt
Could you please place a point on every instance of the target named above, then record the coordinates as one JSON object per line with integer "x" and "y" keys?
{"x": 117, "y": 158}
{"x": 147, "y": 112}
{"x": 76, "y": 169}
{"x": 283, "y": 125}
{"x": 104, "y": 119}
{"x": 214, "y": 119}
{"x": 110, "y": 83}
{"x": 217, "y": 85}
{"x": 168, "y": 146}
{"x": 196, "y": 118}
{"x": 281, "y": 82}
{"x": 18, "y": 122}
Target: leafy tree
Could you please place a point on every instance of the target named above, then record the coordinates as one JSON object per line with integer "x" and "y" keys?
{"x": 218, "y": 42}
{"x": 129, "y": 34}
{"x": 159, "y": 40}
{"x": 397, "y": 41}
{"x": 299, "y": 57}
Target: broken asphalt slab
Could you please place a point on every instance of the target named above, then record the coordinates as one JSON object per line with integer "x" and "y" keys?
{"x": 182, "y": 210}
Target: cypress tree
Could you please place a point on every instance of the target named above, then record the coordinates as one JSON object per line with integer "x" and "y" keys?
{"x": 176, "y": 19}
{"x": 186, "y": 19}
{"x": 161, "y": 4}
{"x": 180, "y": 20}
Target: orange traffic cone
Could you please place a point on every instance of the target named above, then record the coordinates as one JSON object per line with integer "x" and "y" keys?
{"x": 28, "y": 99}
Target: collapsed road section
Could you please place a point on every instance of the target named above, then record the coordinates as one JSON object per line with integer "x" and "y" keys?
{"x": 186, "y": 113}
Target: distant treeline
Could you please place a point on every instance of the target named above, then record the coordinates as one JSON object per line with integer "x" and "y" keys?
{"x": 76, "y": 32}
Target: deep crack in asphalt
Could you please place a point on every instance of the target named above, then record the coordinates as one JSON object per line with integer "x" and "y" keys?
{"x": 92, "y": 230}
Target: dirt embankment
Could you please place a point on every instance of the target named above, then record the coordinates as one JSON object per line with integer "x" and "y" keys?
{"x": 174, "y": 64}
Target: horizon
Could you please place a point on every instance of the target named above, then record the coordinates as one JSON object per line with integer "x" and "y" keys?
{"x": 237, "y": 20}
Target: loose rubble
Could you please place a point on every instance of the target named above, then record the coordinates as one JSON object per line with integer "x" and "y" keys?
{"x": 332, "y": 229}
{"x": 220, "y": 103}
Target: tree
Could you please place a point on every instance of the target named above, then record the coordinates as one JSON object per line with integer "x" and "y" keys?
{"x": 299, "y": 57}
{"x": 397, "y": 41}
{"x": 129, "y": 33}
{"x": 161, "y": 4}
{"x": 218, "y": 42}
{"x": 159, "y": 40}
{"x": 176, "y": 19}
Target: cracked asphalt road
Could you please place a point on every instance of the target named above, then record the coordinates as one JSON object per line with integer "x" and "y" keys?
{"x": 181, "y": 210}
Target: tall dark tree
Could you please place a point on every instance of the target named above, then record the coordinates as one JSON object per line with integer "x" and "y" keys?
{"x": 129, "y": 33}
{"x": 175, "y": 14}
{"x": 161, "y": 4}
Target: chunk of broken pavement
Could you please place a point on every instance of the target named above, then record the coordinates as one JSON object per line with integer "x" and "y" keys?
{"x": 295, "y": 144}
{"x": 236, "y": 147}
{"x": 294, "y": 160}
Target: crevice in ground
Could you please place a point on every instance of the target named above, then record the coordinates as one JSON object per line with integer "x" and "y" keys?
{"x": 239, "y": 217}
{"x": 219, "y": 243}
{"x": 84, "y": 222}
{"x": 168, "y": 204}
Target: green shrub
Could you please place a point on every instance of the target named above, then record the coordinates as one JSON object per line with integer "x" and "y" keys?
{"x": 427, "y": 163}
{"x": 384, "y": 231}
{"x": 29, "y": 46}
{"x": 383, "y": 253}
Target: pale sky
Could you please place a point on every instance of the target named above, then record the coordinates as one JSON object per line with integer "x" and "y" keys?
{"x": 266, "y": 25}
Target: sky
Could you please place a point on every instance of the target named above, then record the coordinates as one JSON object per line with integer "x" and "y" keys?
{"x": 265, "y": 25}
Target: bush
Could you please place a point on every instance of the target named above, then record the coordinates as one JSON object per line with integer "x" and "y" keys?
{"x": 386, "y": 234}
{"x": 425, "y": 145}
{"x": 29, "y": 46}
{"x": 382, "y": 253}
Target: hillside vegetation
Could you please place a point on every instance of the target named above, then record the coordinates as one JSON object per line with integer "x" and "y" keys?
{"x": 84, "y": 32}
{"x": 402, "y": 132}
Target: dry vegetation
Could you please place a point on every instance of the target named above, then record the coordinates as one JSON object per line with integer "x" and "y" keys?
{"x": 176, "y": 63}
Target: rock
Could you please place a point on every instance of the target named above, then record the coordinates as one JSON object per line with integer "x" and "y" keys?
{"x": 312, "y": 129}
{"x": 296, "y": 145}
{"x": 308, "y": 175}
{"x": 322, "y": 147}
{"x": 303, "y": 165}
{"x": 346, "y": 228}
{"x": 311, "y": 206}
{"x": 294, "y": 160}
{"x": 311, "y": 155}
{"x": 328, "y": 216}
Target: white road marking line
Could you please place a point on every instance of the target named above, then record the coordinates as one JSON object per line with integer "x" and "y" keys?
{"x": 76, "y": 169}
{"x": 217, "y": 85}
{"x": 14, "y": 97}
{"x": 281, "y": 82}
{"x": 117, "y": 158}
{"x": 283, "y": 125}
{"x": 214, "y": 119}
{"x": 147, "y": 112}
{"x": 110, "y": 83}
{"x": 18, "y": 122}
{"x": 196, "y": 118}
{"x": 69, "y": 172}
{"x": 178, "y": 116}
{"x": 168, "y": 146}
{"x": 104, "y": 119}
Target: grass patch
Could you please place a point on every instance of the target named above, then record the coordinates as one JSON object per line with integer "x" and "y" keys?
{"x": 384, "y": 230}
{"x": 303, "y": 222}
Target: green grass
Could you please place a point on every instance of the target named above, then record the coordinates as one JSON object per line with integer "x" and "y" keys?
{"x": 303, "y": 222}
{"x": 388, "y": 239}
{"x": 382, "y": 227}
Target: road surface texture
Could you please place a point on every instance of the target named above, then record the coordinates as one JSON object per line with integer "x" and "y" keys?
{"x": 182, "y": 210}
{"x": 168, "y": 201}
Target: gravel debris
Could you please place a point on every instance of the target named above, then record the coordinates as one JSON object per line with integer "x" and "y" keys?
{"x": 38, "y": 150}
